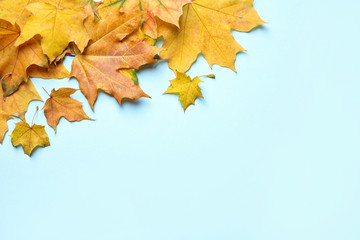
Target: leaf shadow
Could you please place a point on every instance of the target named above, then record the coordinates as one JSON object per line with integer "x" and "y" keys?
{"x": 261, "y": 27}
{"x": 130, "y": 102}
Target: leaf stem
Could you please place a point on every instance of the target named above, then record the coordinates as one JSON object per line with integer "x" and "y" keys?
{"x": 46, "y": 91}
{"x": 32, "y": 122}
{"x": 70, "y": 54}
{"x": 209, "y": 76}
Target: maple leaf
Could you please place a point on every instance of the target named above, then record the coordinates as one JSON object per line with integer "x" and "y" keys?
{"x": 187, "y": 89}
{"x": 54, "y": 71}
{"x": 98, "y": 67}
{"x": 58, "y": 23}
{"x": 167, "y": 10}
{"x": 60, "y": 104}
{"x": 205, "y": 27}
{"x": 30, "y": 137}
{"x": 15, "y": 60}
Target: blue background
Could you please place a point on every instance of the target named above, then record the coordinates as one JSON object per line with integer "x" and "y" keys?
{"x": 272, "y": 152}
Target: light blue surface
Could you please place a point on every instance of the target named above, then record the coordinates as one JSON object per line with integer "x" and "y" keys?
{"x": 272, "y": 153}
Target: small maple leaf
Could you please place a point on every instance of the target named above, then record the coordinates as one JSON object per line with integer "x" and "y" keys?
{"x": 205, "y": 27}
{"x": 58, "y": 23}
{"x": 29, "y": 137}
{"x": 60, "y": 104}
{"x": 187, "y": 89}
{"x": 14, "y": 61}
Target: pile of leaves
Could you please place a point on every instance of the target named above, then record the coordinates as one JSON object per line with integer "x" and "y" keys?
{"x": 109, "y": 41}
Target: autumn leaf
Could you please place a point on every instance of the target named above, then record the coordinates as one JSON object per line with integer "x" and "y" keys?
{"x": 98, "y": 67}
{"x": 187, "y": 89}
{"x": 15, "y": 60}
{"x": 58, "y": 23}
{"x": 54, "y": 71}
{"x": 94, "y": 76}
{"x": 29, "y": 137}
{"x": 205, "y": 27}
{"x": 60, "y": 104}
{"x": 167, "y": 10}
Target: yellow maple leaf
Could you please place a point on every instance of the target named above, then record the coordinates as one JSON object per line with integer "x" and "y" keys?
{"x": 205, "y": 27}
{"x": 60, "y": 104}
{"x": 29, "y": 137}
{"x": 187, "y": 89}
{"x": 58, "y": 23}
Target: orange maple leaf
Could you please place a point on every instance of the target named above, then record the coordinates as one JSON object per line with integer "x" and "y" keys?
{"x": 60, "y": 104}
{"x": 102, "y": 65}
